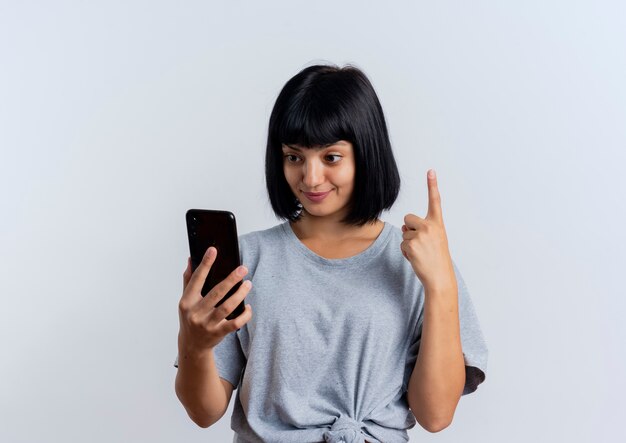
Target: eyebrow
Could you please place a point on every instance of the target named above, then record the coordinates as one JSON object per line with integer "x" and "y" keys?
{"x": 318, "y": 148}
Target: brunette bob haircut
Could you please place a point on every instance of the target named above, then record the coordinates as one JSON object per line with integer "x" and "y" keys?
{"x": 321, "y": 105}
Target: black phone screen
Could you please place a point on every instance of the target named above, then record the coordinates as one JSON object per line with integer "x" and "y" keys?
{"x": 215, "y": 228}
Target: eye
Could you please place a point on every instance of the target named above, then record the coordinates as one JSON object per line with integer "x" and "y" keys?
{"x": 291, "y": 158}
{"x": 334, "y": 155}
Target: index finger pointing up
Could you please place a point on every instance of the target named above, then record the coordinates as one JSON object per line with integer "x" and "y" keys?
{"x": 434, "y": 199}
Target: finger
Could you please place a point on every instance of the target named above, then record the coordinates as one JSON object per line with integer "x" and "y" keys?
{"x": 405, "y": 248}
{"x": 410, "y": 234}
{"x": 412, "y": 221}
{"x": 225, "y": 309}
{"x": 434, "y": 199}
{"x": 222, "y": 288}
{"x": 237, "y": 322}
{"x": 405, "y": 229}
{"x": 199, "y": 275}
{"x": 403, "y": 253}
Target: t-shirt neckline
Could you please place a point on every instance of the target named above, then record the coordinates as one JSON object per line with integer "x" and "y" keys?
{"x": 359, "y": 259}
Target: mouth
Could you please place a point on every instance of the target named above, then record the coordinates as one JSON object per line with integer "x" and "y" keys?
{"x": 316, "y": 196}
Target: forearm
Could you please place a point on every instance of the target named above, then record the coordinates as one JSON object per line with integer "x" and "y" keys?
{"x": 437, "y": 380}
{"x": 199, "y": 388}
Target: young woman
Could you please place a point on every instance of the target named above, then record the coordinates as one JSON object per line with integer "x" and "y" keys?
{"x": 359, "y": 327}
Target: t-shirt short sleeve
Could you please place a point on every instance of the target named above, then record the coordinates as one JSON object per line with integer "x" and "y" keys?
{"x": 230, "y": 359}
{"x": 475, "y": 352}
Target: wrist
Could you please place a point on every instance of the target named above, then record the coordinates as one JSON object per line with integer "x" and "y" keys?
{"x": 449, "y": 289}
{"x": 190, "y": 352}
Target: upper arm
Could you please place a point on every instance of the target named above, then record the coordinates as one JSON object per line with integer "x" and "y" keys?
{"x": 228, "y": 390}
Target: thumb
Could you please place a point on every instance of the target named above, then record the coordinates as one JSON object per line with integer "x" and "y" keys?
{"x": 187, "y": 273}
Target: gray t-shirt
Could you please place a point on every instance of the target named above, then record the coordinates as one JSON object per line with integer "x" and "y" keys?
{"x": 331, "y": 345}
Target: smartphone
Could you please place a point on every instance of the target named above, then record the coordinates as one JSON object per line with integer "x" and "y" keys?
{"x": 205, "y": 228}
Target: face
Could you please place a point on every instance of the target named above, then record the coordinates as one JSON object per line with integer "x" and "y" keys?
{"x": 327, "y": 170}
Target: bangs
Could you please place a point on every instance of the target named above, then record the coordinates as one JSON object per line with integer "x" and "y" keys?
{"x": 313, "y": 122}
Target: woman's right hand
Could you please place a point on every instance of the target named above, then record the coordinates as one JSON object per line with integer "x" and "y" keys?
{"x": 202, "y": 325}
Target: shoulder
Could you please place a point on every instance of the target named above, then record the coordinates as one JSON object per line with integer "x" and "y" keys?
{"x": 394, "y": 237}
{"x": 256, "y": 238}
{"x": 395, "y": 232}
{"x": 392, "y": 262}
{"x": 256, "y": 243}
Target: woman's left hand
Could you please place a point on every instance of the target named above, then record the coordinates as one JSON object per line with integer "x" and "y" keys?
{"x": 425, "y": 243}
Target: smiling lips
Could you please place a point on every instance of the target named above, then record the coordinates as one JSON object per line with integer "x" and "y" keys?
{"x": 316, "y": 196}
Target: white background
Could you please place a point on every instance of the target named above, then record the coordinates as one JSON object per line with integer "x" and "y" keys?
{"x": 118, "y": 116}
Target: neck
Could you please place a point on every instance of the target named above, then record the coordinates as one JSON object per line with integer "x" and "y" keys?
{"x": 331, "y": 229}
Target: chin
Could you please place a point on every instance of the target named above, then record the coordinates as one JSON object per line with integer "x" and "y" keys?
{"x": 321, "y": 212}
{"x": 317, "y": 212}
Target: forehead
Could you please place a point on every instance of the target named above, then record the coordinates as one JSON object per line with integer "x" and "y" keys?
{"x": 338, "y": 144}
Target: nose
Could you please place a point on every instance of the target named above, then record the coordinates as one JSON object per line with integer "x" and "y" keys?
{"x": 313, "y": 174}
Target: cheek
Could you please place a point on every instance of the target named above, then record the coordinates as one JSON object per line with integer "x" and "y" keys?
{"x": 345, "y": 178}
